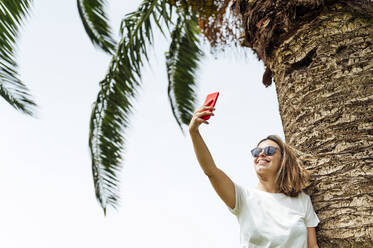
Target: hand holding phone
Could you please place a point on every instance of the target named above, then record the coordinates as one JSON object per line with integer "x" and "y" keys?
{"x": 210, "y": 102}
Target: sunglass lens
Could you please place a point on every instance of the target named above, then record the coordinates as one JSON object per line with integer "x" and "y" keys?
{"x": 269, "y": 150}
{"x": 256, "y": 151}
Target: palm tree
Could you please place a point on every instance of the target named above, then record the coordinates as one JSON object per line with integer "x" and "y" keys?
{"x": 12, "y": 89}
{"x": 117, "y": 90}
{"x": 318, "y": 53}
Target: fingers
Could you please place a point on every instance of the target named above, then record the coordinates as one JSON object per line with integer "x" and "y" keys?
{"x": 200, "y": 114}
{"x": 204, "y": 108}
{"x": 197, "y": 119}
{"x": 201, "y": 120}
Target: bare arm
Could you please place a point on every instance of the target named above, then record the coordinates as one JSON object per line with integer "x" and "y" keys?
{"x": 222, "y": 184}
{"x": 311, "y": 238}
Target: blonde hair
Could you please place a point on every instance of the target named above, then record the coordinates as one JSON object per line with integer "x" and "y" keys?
{"x": 291, "y": 178}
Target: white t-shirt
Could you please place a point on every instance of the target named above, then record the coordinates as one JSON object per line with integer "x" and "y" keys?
{"x": 273, "y": 220}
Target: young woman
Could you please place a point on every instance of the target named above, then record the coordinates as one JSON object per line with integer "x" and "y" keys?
{"x": 277, "y": 213}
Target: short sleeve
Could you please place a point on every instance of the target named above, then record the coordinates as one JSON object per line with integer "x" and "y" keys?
{"x": 239, "y": 196}
{"x": 311, "y": 219}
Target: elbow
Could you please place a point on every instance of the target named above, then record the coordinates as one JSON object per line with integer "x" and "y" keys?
{"x": 208, "y": 173}
{"x": 211, "y": 172}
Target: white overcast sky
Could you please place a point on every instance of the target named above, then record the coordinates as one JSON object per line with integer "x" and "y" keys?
{"x": 46, "y": 186}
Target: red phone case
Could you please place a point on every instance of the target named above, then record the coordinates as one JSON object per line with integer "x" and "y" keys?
{"x": 214, "y": 96}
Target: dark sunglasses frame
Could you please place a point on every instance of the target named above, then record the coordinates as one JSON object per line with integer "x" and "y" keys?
{"x": 269, "y": 151}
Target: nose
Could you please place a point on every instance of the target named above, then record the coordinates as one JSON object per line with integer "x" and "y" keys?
{"x": 262, "y": 153}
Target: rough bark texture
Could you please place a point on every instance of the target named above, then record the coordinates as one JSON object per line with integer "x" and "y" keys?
{"x": 322, "y": 66}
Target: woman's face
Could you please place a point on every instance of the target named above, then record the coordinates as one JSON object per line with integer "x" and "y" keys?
{"x": 268, "y": 165}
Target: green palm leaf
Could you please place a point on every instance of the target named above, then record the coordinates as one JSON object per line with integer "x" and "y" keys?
{"x": 113, "y": 106}
{"x": 182, "y": 62}
{"x": 96, "y": 24}
{"x": 12, "y": 89}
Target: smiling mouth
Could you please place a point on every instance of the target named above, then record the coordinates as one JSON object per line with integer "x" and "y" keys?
{"x": 262, "y": 162}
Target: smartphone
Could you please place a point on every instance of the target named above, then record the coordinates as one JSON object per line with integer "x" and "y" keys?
{"x": 214, "y": 97}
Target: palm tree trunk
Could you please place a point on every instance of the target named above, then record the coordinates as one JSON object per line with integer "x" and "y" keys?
{"x": 321, "y": 59}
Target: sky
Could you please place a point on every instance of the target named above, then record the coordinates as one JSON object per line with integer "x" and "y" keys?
{"x": 46, "y": 180}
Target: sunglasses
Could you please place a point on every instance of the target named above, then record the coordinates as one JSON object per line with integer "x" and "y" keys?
{"x": 269, "y": 151}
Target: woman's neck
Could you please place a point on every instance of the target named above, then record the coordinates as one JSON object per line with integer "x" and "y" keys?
{"x": 268, "y": 186}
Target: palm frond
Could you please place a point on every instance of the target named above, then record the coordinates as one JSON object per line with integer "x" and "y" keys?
{"x": 182, "y": 62}
{"x": 12, "y": 89}
{"x": 95, "y": 23}
{"x": 113, "y": 106}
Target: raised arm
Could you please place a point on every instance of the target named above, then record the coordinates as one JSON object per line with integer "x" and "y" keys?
{"x": 222, "y": 184}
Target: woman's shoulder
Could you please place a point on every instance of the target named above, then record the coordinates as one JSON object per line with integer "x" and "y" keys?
{"x": 305, "y": 194}
{"x": 245, "y": 190}
{"x": 302, "y": 196}
{"x": 305, "y": 199}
